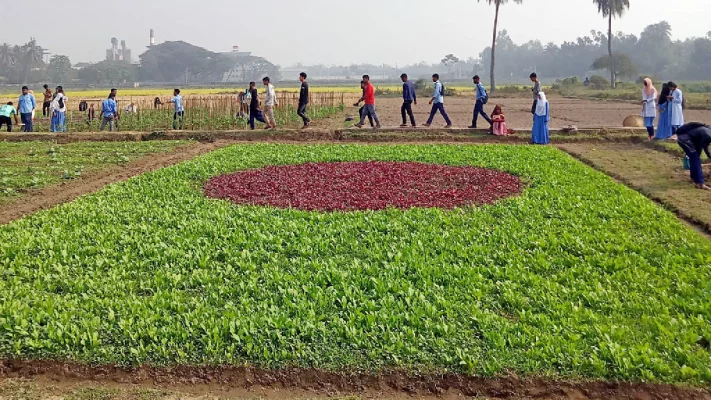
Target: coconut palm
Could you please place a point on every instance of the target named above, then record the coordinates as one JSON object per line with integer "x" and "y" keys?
{"x": 611, "y": 9}
{"x": 32, "y": 56}
{"x": 7, "y": 57}
{"x": 498, "y": 4}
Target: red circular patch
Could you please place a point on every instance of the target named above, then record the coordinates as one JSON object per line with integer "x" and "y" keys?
{"x": 370, "y": 185}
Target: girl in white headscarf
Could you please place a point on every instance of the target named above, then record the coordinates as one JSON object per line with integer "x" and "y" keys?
{"x": 649, "y": 106}
{"x": 541, "y": 117}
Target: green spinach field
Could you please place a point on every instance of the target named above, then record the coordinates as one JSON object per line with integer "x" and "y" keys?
{"x": 577, "y": 277}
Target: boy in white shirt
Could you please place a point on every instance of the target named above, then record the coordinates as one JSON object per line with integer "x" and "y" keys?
{"x": 270, "y": 102}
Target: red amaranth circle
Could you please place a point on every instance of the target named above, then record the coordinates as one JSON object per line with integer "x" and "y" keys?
{"x": 369, "y": 185}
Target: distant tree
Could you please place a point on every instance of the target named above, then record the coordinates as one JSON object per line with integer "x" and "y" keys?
{"x": 60, "y": 69}
{"x": 700, "y": 59}
{"x": 654, "y": 48}
{"x": 498, "y": 4}
{"x": 449, "y": 60}
{"x": 611, "y": 9}
{"x": 107, "y": 72}
{"x": 619, "y": 64}
{"x": 31, "y": 55}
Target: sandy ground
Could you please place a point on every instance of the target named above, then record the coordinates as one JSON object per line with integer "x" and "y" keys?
{"x": 564, "y": 112}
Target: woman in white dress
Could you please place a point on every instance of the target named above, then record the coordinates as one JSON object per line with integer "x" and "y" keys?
{"x": 676, "y": 98}
{"x": 649, "y": 106}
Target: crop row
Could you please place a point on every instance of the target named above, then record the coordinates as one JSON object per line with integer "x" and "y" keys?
{"x": 578, "y": 276}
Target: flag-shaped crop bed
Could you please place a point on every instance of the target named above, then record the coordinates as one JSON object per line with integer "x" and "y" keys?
{"x": 575, "y": 275}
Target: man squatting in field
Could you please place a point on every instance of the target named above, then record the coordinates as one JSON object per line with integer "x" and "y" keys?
{"x": 7, "y": 111}
{"x": 693, "y": 138}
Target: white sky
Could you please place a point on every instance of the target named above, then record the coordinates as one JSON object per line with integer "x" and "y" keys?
{"x": 330, "y": 31}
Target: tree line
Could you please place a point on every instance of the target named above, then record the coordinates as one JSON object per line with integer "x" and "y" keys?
{"x": 167, "y": 62}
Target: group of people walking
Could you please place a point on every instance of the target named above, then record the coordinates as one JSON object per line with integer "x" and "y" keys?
{"x": 54, "y": 106}
{"x": 251, "y": 106}
{"x": 497, "y": 121}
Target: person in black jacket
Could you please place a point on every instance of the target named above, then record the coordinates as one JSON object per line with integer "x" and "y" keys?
{"x": 303, "y": 100}
{"x": 693, "y": 138}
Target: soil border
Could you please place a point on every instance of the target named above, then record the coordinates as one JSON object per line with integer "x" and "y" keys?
{"x": 319, "y": 382}
{"x": 337, "y": 135}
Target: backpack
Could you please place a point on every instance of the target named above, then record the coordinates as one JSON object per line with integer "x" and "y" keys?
{"x": 83, "y": 106}
{"x": 683, "y": 103}
{"x": 442, "y": 91}
{"x": 60, "y": 102}
{"x": 485, "y": 98}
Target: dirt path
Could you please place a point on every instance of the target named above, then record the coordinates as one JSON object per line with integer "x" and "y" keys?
{"x": 50, "y": 196}
{"x": 242, "y": 382}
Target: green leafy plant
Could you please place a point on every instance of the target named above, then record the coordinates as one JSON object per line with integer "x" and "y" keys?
{"x": 577, "y": 277}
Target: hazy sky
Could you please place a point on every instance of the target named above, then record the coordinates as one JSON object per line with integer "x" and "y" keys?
{"x": 330, "y": 31}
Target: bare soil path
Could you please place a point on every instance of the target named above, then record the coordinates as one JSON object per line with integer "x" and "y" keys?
{"x": 249, "y": 383}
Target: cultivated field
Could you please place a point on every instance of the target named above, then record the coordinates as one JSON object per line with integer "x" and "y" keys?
{"x": 576, "y": 277}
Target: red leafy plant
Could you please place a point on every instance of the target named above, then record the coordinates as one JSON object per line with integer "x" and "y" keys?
{"x": 367, "y": 185}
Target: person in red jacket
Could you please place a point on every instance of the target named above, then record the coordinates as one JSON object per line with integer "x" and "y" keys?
{"x": 369, "y": 99}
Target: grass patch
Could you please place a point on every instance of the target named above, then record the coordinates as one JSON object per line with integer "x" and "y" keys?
{"x": 579, "y": 276}
{"x": 32, "y": 165}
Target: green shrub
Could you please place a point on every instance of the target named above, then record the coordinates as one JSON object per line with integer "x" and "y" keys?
{"x": 598, "y": 82}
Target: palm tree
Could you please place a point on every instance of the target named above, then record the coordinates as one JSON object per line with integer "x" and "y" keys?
{"x": 611, "y": 9}
{"x": 498, "y": 4}
{"x": 7, "y": 56}
{"x": 32, "y": 56}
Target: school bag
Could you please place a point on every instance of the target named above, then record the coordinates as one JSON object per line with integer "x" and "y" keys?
{"x": 83, "y": 106}
{"x": 485, "y": 98}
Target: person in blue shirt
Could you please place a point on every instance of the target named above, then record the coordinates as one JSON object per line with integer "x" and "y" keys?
{"x": 437, "y": 102}
{"x": 177, "y": 101}
{"x": 109, "y": 111}
{"x": 25, "y": 106}
{"x": 481, "y": 97}
{"x": 409, "y": 96}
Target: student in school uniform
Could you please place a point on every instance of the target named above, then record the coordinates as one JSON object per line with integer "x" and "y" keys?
{"x": 437, "y": 103}
{"x": 108, "y": 113}
{"x": 649, "y": 106}
{"x": 26, "y": 106}
{"x": 481, "y": 97}
{"x": 7, "y": 111}
{"x": 58, "y": 109}
{"x": 179, "y": 110}
{"x": 677, "y": 106}
{"x": 541, "y": 118}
